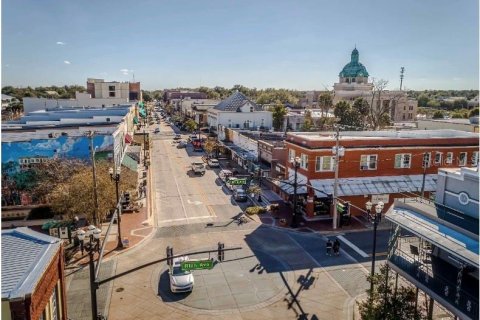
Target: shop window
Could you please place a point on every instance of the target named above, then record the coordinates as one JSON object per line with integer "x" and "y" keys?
{"x": 324, "y": 164}
{"x": 402, "y": 160}
{"x": 427, "y": 159}
{"x": 449, "y": 158}
{"x": 438, "y": 158}
{"x": 368, "y": 162}
{"x": 475, "y": 158}
{"x": 291, "y": 154}
{"x": 304, "y": 161}
{"x": 462, "y": 159}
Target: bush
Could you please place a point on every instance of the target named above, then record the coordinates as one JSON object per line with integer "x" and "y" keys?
{"x": 255, "y": 210}
{"x": 438, "y": 115}
{"x": 43, "y": 212}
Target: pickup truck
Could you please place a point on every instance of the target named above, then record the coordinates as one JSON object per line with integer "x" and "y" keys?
{"x": 198, "y": 168}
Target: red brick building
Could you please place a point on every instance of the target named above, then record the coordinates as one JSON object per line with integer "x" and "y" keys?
{"x": 33, "y": 276}
{"x": 376, "y": 166}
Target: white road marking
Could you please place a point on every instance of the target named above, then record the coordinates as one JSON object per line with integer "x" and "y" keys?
{"x": 182, "y": 219}
{"x": 354, "y": 247}
{"x": 196, "y": 203}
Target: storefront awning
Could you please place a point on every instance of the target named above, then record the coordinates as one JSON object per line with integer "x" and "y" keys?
{"x": 459, "y": 245}
{"x": 289, "y": 189}
{"x": 375, "y": 185}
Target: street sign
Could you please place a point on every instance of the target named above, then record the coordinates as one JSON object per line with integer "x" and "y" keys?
{"x": 237, "y": 181}
{"x": 196, "y": 265}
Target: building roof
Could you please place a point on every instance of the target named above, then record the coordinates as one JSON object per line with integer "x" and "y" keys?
{"x": 388, "y": 135}
{"x": 375, "y": 185}
{"x": 354, "y": 68}
{"x": 26, "y": 254}
{"x": 458, "y": 244}
{"x": 235, "y": 102}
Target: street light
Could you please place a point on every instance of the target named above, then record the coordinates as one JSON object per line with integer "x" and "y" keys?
{"x": 375, "y": 218}
{"x": 92, "y": 246}
{"x": 338, "y": 151}
{"x": 115, "y": 176}
{"x": 296, "y": 165}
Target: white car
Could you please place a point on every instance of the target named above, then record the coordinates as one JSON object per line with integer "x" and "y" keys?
{"x": 224, "y": 174}
{"x": 213, "y": 163}
{"x": 180, "y": 281}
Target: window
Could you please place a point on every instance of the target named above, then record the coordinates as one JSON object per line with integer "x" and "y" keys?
{"x": 438, "y": 158}
{"x": 475, "y": 158}
{"x": 410, "y": 116}
{"x": 291, "y": 154}
{"x": 403, "y": 117}
{"x": 462, "y": 159}
{"x": 402, "y": 160}
{"x": 111, "y": 88}
{"x": 449, "y": 158}
{"x": 427, "y": 159}
{"x": 304, "y": 161}
{"x": 323, "y": 164}
{"x": 368, "y": 162}
{"x": 111, "y": 94}
{"x": 410, "y": 108}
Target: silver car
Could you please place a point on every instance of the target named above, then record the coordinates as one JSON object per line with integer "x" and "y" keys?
{"x": 180, "y": 281}
{"x": 240, "y": 195}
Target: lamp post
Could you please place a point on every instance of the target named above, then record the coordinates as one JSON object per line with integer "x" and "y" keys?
{"x": 296, "y": 165}
{"x": 92, "y": 246}
{"x": 115, "y": 176}
{"x": 375, "y": 218}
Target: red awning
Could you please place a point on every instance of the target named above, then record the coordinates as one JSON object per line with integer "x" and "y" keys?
{"x": 128, "y": 138}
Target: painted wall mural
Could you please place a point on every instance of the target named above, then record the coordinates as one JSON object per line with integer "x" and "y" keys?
{"x": 16, "y": 156}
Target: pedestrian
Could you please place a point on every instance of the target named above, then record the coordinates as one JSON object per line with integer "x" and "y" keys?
{"x": 144, "y": 191}
{"x": 329, "y": 247}
{"x": 336, "y": 247}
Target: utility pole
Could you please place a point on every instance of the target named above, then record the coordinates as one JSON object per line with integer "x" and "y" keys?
{"x": 335, "y": 185}
{"x": 402, "y": 71}
{"x": 425, "y": 163}
{"x": 90, "y": 134}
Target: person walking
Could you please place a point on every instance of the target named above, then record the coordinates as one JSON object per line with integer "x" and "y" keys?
{"x": 329, "y": 247}
{"x": 336, "y": 247}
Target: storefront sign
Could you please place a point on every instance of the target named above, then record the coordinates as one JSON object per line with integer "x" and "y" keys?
{"x": 376, "y": 198}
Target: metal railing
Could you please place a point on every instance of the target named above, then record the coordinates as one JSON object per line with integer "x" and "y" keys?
{"x": 467, "y": 303}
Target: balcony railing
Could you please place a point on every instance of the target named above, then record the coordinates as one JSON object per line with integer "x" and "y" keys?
{"x": 466, "y": 303}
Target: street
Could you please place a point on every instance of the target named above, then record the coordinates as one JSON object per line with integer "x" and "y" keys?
{"x": 277, "y": 274}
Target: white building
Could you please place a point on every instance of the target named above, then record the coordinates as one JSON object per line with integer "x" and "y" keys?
{"x": 237, "y": 111}
{"x": 353, "y": 83}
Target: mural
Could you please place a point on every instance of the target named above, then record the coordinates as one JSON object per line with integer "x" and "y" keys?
{"x": 19, "y": 156}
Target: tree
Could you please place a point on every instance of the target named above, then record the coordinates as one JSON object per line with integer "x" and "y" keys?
{"x": 389, "y": 303}
{"x": 75, "y": 196}
{"x": 380, "y": 110}
{"x": 474, "y": 112}
{"x": 191, "y": 125}
{"x": 278, "y": 115}
{"x": 325, "y": 102}
{"x": 422, "y": 100}
{"x": 349, "y": 115}
{"x": 307, "y": 121}
{"x": 433, "y": 104}
{"x": 438, "y": 115}
{"x": 147, "y": 97}
{"x": 361, "y": 108}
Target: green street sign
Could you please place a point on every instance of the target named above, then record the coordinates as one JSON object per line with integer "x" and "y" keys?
{"x": 196, "y": 265}
{"x": 236, "y": 182}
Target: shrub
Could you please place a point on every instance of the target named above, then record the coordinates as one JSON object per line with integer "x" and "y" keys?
{"x": 255, "y": 210}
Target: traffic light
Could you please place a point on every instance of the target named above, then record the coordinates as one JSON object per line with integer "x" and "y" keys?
{"x": 169, "y": 255}
{"x": 347, "y": 208}
{"x": 340, "y": 208}
{"x": 221, "y": 252}
{"x": 126, "y": 200}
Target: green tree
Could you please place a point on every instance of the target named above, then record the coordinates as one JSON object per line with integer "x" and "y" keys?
{"x": 191, "y": 125}
{"x": 474, "y": 112}
{"x": 433, "y": 104}
{"x": 325, "y": 102}
{"x": 438, "y": 115}
{"x": 361, "y": 110}
{"x": 278, "y": 114}
{"x": 147, "y": 97}
{"x": 388, "y": 303}
{"x": 307, "y": 121}
{"x": 460, "y": 104}
{"x": 422, "y": 100}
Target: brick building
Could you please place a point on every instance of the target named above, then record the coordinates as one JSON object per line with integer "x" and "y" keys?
{"x": 376, "y": 166}
{"x": 33, "y": 276}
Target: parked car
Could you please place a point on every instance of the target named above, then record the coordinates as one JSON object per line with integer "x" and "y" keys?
{"x": 198, "y": 168}
{"x": 240, "y": 195}
{"x": 180, "y": 281}
{"x": 213, "y": 163}
{"x": 181, "y": 144}
{"x": 157, "y": 130}
{"x": 177, "y": 137}
{"x": 224, "y": 175}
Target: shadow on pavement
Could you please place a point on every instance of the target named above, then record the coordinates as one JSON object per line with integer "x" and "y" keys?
{"x": 164, "y": 290}
{"x": 305, "y": 283}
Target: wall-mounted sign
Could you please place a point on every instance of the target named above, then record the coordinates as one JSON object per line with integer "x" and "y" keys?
{"x": 376, "y": 198}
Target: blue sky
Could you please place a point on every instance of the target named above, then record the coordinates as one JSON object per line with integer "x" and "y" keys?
{"x": 288, "y": 44}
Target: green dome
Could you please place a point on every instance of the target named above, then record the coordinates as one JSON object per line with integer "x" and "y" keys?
{"x": 354, "y": 68}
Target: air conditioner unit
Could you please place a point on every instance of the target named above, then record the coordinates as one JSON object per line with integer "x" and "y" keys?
{"x": 363, "y": 167}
